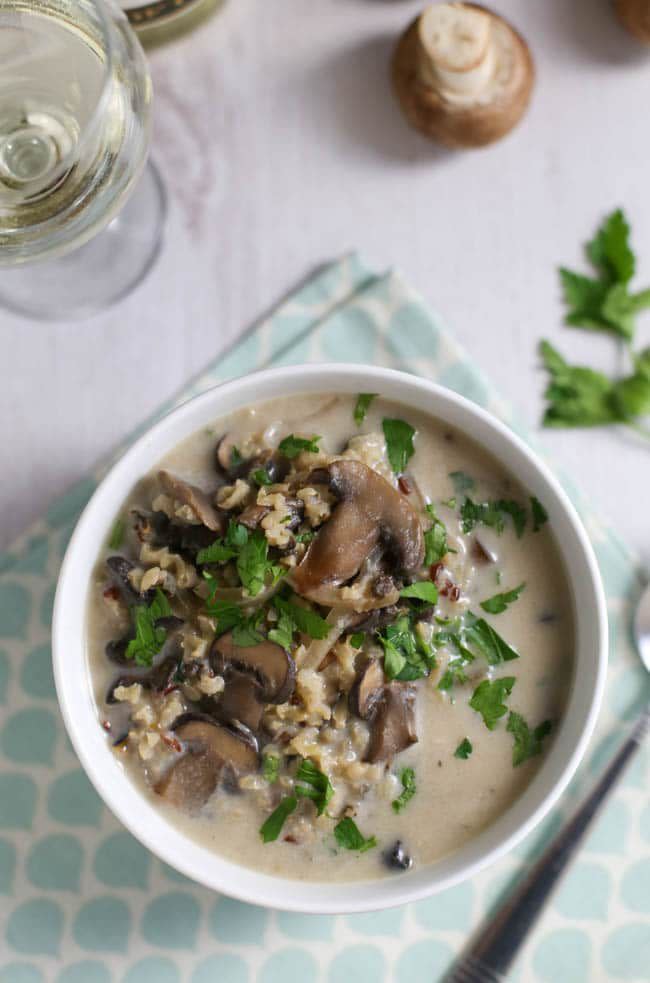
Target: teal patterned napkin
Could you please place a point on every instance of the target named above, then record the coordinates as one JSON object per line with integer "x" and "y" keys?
{"x": 82, "y": 902}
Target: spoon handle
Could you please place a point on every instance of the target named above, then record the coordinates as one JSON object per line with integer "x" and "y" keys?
{"x": 496, "y": 946}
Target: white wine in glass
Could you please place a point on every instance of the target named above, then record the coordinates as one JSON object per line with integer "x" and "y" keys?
{"x": 75, "y": 101}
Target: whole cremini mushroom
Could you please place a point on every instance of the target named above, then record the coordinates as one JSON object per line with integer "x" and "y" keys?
{"x": 370, "y": 512}
{"x": 266, "y": 663}
{"x": 462, "y": 74}
{"x": 635, "y": 16}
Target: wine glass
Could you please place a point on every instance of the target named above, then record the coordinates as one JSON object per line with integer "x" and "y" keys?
{"x": 75, "y": 104}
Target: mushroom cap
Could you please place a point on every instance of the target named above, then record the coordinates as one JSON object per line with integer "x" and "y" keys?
{"x": 635, "y": 16}
{"x": 369, "y": 511}
{"x": 211, "y": 748}
{"x": 242, "y": 700}
{"x": 464, "y": 123}
{"x": 157, "y": 678}
{"x": 194, "y": 498}
{"x": 272, "y": 667}
{"x": 393, "y": 723}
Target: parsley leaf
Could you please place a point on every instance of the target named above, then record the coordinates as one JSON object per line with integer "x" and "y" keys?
{"x": 356, "y": 640}
{"x": 409, "y": 789}
{"x": 292, "y": 446}
{"x": 464, "y": 749}
{"x": 454, "y": 673}
{"x": 499, "y": 602}
{"x": 577, "y": 396}
{"x": 271, "y": 768}
{"x": 516, "y": 512}
{"x": 462, "y": 482}
{"x": 149, "y": 637}
{"x": 399, "y": 443}
{"x": 488, "y": 699}
{"x": 316, "y": 787}
{"x": 435, "y": 539}
{"x": 116, "y": 537}
{"x": 424, "y": 590}
{"x": 406, "y": 656}
{"x": 282, "y": 634}
{"x": 261, "y": 477}
{"x": 610, "y": 251}
{"x": 230, "y": 616}
{"x": 361, "y": 407}
{"x": 540, "y": 515}
{"x": 215, "y": 553}
{"x": 235, "y": 458}
{"x": 480, "y": 635}
{"x": 270, "y": 830}
{"x": 303, "y": 619}
{"x": 528, "y": 743}
{"x": 348, "y": 836}
{"x": 305, "y": 537}
{"x": 631, "y": 396}
{"x": 492, "y": 514}
{"x": 253, "y": 563}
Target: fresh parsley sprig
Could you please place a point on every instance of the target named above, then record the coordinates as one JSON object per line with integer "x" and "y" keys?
{"x": 311, "y": 783}
{"x": 399, "y": 443}
{"x": 361, "y": 407}
{"x": 527, "y": 742}
{"x": 499, "y": 603}
{"x": 292, "y": 446}
{"x": 464, "y": 749}
{"x": 577, "y": 395}
{"x": 489, "y": 699}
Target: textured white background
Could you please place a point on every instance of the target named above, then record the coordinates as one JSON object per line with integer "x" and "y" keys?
{"x": 281, "y": 147}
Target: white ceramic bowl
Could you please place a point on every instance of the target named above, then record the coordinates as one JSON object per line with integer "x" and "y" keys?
{"x": 139, "y": 814}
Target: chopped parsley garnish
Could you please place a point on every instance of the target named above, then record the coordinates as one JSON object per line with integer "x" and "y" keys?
{"x": 235, "y": 458}
{"x": 488, "y": 699}
{"x": 149, "y": 637}
{"x": 271, "y": 768}
{"x": 349, "y": 836}
{"x": 528, "y": 743}
{"x": 316, "y": 785}
{"x": 484, "y": 640}
{"x": 399, "y": 443}
{"x": 261, "y": 477}
{"x": 435, "y": 539}
{"x": 230, "y": 616}
{"x": 217, "y": 552}
{"x": 455, "y": 672}
{"x": 116, "y": 537}
{"x": 292, "y": 446}
{"x": 464, "y": 749}
{"x": 270, "y": 830}
{"x": 499, "y": 602}
{"x": 540, "y": 515}
{"x": 492, "y": 514}
{"x": 409, "y": 789}
{"x": 462, "y": 482}
{"x": 406, "y": 656}
{"x": 282, "y": 633}
{"x": 302, "y": 619}
{"x": 305, "y": 537}
{"x": 253, "y": 564}
{"x": 356, "y": 640}
{"x": 423, "y": 590}
{"x": 361, "y": 406}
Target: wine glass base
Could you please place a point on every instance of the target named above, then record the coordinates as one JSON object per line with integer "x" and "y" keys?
{"x": 102, "y": 271}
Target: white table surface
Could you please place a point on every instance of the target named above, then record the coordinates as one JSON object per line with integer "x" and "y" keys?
{"x": 282, "y": 146}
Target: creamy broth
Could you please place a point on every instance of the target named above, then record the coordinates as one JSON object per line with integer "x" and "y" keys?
{"x": 455, "y": 797}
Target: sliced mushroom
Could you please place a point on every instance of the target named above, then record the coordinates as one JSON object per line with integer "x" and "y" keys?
{"x": 272, "y": 667}
{"x": 157, "y": 679}
{"x": 194, "y": 498}
{"x": 367, "y": 690}
{"x": 211, "y": 750}
{"x": 242, "y": 700}
{"x": 462, "y": 74}
{"x": 369, "y": 511}
{"x": 159, "y": 530}
{"x": 393, "y": 723}
{"x": 253, "y": 515}
{"x": 378, "y": 618}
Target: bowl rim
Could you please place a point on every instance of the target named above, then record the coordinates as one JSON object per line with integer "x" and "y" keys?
{"x": 148, "y": 824}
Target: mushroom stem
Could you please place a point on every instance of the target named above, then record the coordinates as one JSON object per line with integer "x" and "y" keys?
{"x": 456, "y": 49}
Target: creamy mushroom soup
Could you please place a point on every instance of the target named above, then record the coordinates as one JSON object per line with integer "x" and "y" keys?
{"x": 330, "y": 637}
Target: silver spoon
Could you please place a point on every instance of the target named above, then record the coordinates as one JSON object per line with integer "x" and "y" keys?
{"x": 496, "y": 946}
